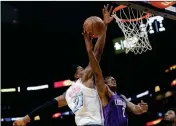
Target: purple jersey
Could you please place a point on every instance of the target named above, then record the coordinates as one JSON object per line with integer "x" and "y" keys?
{"x": 115, "y": 113}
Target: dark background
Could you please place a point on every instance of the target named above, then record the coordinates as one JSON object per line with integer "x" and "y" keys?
{"x": 41, "y": 40}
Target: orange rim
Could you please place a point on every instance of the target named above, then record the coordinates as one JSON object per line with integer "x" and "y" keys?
{"x": 131, "y": 20}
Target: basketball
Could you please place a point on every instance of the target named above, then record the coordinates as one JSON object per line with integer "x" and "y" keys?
{"x": 94, "y": 26}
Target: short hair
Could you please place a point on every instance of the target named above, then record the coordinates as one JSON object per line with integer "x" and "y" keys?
{"x": 172, "y": 109}
{"x": 73, "y": 71}
{"x": 106, "y": 78}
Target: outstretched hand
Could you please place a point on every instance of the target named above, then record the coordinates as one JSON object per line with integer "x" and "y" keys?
{"x": 19, "y": 122}
{"x": 106, "y": 14}
{"x": 88, "y": 40}
{"x": 143, "y": 106}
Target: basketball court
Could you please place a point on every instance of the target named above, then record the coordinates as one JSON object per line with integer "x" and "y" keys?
{"x": 141, "y": 39}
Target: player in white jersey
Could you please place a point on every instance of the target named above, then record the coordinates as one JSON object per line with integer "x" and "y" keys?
{"x": 81, "y": 97}
{"x": 85, "y": 103}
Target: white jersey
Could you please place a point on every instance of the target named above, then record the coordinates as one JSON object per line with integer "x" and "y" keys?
{"x": 85, "y": 104}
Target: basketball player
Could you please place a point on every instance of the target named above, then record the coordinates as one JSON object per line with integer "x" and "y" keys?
{"x": 114, "y": 105}
{"x": 81, "y": 97}
{"x": 169, "y": 119}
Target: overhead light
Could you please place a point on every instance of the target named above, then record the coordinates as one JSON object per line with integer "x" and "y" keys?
{"x": 16, "y": 118}
{"x": 56, "y": 115}
{"x": 67, "y": 83}
{"x": 8, "y": 90}
{"x": 173, "y": 83}
{"x": 166, "y": 70}
{"x": 172, "y": 67}
{"x": 142, "y": 94}
{"x": 18, "y": 89}
{"x": 66, "y": 113}
{"x": 63, "y": 83}
{"x": 168, "y": 94}
{"x": 160, "y": 114}
{"x": 154, "y": 122}
{"x": 37, "y": 118}
{"x": 157, "y": 88}
{"x": 37, "y": 87}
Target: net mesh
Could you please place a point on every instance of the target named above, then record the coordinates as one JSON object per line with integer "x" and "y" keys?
{"x": 135, "y": 31}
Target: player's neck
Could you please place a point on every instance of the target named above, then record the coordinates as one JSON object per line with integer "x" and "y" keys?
{"x": 114, "y": 91}
{"x": 174, "y": 123}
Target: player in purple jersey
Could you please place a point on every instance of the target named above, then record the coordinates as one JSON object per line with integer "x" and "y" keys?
{"x": 114, "y": 105}
{"x": 169, "y": 118}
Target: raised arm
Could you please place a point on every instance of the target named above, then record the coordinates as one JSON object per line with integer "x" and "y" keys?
{"x": 95, "y": 66}
{"x": 99, "y": 46}
{"x": 50, "y": 106}
{"x": 136, "y": 109}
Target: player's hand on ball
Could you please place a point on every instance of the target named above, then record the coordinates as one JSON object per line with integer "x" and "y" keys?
{"x": 107, "y": 14}
{"x": 143, "y": 106}
{"x": 88, "y": 41}
{"x": 19, "y": 122}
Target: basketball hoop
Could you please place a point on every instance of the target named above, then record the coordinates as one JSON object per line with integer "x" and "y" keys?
{"x": 134, "y": 27}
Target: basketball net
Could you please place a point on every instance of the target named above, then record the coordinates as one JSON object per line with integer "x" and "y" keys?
{"x": 134, "y": 28}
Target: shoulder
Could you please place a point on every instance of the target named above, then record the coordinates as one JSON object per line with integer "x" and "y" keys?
{"x": 123, "y": 96}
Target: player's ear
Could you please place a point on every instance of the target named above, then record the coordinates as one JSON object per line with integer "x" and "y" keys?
{"x": 76, "y": 76}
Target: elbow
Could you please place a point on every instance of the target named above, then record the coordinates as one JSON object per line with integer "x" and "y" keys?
{"x": 61, "y": 101}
